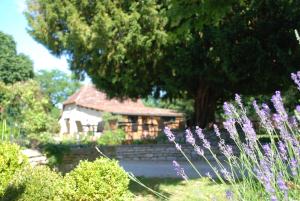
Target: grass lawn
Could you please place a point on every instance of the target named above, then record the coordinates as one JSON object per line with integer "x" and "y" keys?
{"x": 179, "y": 190}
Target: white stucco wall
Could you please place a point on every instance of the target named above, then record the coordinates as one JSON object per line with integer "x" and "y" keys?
{"x": 76, "y": 113}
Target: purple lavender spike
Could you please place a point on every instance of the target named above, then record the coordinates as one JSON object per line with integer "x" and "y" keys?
{"x": 169, "y": 134}
{"x": 179, "y": 170}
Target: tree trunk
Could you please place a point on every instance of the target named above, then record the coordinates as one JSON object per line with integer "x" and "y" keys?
{"x": 204, "y": 106}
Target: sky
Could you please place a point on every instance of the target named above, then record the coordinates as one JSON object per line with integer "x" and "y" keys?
{"x": 13, "y": 22}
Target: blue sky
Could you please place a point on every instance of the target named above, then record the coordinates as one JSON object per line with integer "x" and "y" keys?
{"x": 13, "y": 22}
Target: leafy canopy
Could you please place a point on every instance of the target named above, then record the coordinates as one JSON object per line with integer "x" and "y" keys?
{"x": 202, "y": 50}
{"x": 13, "y": 66}
{"x": 57, "y": 84}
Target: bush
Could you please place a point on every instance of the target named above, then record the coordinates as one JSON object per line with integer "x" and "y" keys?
{"x": 11, "y": 160}
{"x": 38, "y": 183}
{"x": 101, "y": 180}
{"x": 112, "y": 137}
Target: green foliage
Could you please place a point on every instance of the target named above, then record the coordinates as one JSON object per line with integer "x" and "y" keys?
{"x": 112, "y": 137}
{"x": 185, "y": 106}
{"x": 57, "y": 85}
{"x": 55, "y": 153}
{"x": 109, "y": 118}
{"x": 101, "y": 180}
{"x": 38, "y": 183}
{"x": 11, "y": 160}
{"x": 26, "y": 107}
{"x": 201, "y": 50}
{"x": 13, "y": 67}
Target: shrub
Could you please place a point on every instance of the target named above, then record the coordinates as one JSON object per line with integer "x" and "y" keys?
{"x": 112, "y": 137}
{"x": 36, "y": 183}
{"x": 11, "y": 160}
{"x": 101, "y": 180}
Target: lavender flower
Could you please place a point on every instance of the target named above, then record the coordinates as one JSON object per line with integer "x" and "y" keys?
{"x": 169, "y": 134}
{"x": 298, "y": 108}
{"x": 238, "y": 100}
{"x": 249, "y": 131}
{"x": 282, "y": 150}
{"x": 225, "y": 149}
{"x": 198, "y": 150}
{"x": 265, "y": 175}
{"x": 264, "y": 116}
{"x": 217, "y": 131}
{"x": 267, "y": 150}
{"x": 273, "y": 198}
{"x": 229, "y": 194}
{"x": 284, "y": 134}
{"x": 278, "y": 104}
{"x": 226, "y": 174}
{"x": 179, "y": 170}
{"x": 229, "y": 125}
{"x": 189, "y": 137}
{"x": 294, "y": 165}
{"x": 296, "y": 78}
{"x": 178, "y": 146}
{"x": 293, "y": 122}
{"x": 227, "y": 109}
{"x": 281, "y": 184}
{"x": 200, "y": 134}
{"x": 266, "y": 109}
{"x": 206, "y": 144}
{"x": 249, "y": 151}
{"x": 278, "y": 119}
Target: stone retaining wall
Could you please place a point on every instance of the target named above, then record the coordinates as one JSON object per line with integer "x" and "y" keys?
{"x": 157, "y": 152}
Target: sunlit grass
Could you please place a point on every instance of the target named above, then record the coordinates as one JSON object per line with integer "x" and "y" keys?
{"x": 179, "y": 190}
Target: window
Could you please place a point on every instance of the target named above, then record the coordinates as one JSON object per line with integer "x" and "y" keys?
{"x": 79, "y": 126}
{"x": 134, "y": 123}
{"x": 100, "y": 126}
{"x": 145, "y": 124}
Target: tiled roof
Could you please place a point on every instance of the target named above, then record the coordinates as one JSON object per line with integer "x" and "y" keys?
{"x": 88, "y": 96}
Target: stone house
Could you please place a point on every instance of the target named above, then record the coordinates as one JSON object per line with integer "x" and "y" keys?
{"x": 83, "y": 111}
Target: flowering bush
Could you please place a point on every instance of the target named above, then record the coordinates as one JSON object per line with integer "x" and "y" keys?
{"x": 258, "y": 171}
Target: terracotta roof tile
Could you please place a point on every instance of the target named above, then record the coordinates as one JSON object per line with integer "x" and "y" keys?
{"x": 88, "y": 96}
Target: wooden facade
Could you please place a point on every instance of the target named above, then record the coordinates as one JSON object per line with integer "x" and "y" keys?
{"x": 144, "y": 127}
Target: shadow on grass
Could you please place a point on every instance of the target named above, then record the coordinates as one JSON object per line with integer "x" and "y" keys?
{"x": 13, "y": 193}
{"x": 154, "y": 184}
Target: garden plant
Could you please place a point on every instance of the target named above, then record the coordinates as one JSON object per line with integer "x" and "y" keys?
{"x": 257, "y": 171}
{"x": 11, "y": 160}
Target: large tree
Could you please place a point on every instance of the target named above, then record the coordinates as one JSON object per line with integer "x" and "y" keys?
{"x": 14, "y": 67}
{"x": 204, "y": 50}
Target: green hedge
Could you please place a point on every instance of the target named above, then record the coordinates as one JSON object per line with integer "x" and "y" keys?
{"x": 11, "y": 160}
{"x": 101, "y": 180}
{"x": 36, "y": 183}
